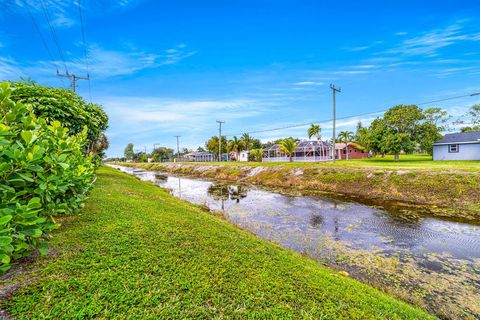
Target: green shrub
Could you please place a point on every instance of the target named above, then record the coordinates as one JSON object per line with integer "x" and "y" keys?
{"x": 43, "y": 172}
{"x": 65, "y": 106}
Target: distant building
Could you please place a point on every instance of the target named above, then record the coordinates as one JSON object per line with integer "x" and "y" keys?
{"x": 244, "y": 156}
{"x": 355, "y": 151}
{"x": 458, "y": 146}
{"x": 307, "y": 151}
{"x": 198, "y": 156}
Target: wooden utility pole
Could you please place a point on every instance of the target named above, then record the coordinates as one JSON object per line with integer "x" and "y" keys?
{"x": 334, "y": 91}
{"x": 73, "y": 78}
{"x": 178, "y": 147}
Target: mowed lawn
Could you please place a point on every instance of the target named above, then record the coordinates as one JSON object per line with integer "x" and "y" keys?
{"x": 137, "y": 252}
{"x": 410, "y": 161}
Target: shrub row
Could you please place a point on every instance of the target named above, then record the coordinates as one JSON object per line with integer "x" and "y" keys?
{"x": 43, "y": 172}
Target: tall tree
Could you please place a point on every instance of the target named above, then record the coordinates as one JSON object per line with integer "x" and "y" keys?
{"x": 128, "y": 152}
{"x": 247, "y": 141}
{"x": 235, "y": 145}
{"x": 435, "y": 121}
{"x": 162, "y": 153}
{"x": 314, "y": 130}
{"x": 473, "y": 122}
{"x": 402, "y": 124}
{"x": 212, "y": 145}
{"x": 288, "y": 147}
{"x": 346, "y": 137}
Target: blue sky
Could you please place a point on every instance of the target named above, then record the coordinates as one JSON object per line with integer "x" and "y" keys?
{"x": 162, "y": 68}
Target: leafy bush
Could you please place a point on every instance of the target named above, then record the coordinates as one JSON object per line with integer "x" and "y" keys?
{"x": 43, "y": 172}
{"x": 65, "y": 106}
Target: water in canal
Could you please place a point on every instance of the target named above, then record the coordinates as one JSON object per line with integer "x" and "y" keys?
{"x": 427, "y": 261}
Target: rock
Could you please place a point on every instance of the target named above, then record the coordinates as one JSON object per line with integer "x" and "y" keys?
{"x": 297, "y": 172}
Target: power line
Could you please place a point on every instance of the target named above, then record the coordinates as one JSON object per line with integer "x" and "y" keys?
{"x": 82, "y": 28}
{"x": 349, "y": 116}
{"x": 42, "y": 38}
{"x": 54, "y": 34}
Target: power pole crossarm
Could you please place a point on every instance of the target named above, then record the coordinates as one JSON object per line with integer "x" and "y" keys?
{"x": 73, "y": 78}
{"x": 334, "y": 91}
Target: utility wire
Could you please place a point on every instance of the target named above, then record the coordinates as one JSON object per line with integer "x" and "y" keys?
{"x": 42, "y": 38}
{"x": 82, "y": 28}
{"x": 349, "y": 116}
{"x": 54, "y": 34}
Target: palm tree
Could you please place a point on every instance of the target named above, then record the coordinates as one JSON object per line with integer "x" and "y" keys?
{"x": 247, "y": 141}
{"x": 314, "y": 130}
{"x": 235, "y": 145}
{"x": 345, "y": 136}
{"x": 257, "y": 154}
{"x": 288, "y": 146}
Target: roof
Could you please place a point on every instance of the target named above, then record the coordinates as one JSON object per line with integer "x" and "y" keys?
{"x": 305, "y": 145}
{"x": 342, "y": 145}
{"x": 460, "y": 137}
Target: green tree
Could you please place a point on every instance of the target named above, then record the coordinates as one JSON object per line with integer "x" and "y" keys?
{"x": 236, "y": 145}
{"x": 314, "y": 130}
{"x": 473, "y": 121}
{"x": 128, "y": 152}
{"x": 212, "y": 145}
{"x": 402, "y": 122}
{"x": 374, "y": 137}
{"x": 345, "y": 137}
{"x": 288, "y": 147}
{"x": 257, "y": 154}
{"x": 162, "y": 153}
{"x": 435, "y": 122}
{"x": 247, "y": 141}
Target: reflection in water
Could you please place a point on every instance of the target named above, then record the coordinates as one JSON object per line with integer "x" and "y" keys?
{"x": 406, "y": 251}
{"x": 227, "y": 192}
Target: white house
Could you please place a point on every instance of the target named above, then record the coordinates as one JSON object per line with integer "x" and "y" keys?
{"x": 244, "y": 156}
{"x": 458, "y": 146}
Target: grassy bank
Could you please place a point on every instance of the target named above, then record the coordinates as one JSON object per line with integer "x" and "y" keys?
{"x": 137, "y": 251}
{"x": 446, "y": 188}
{"x": 410, "y": 161}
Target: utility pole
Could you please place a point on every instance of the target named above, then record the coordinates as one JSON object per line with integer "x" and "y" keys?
{"x": 178, "y": 147}
{"x": 73, "y": 78}
{"x": 145, "y": 149}
{"x": 334, "y": 91}
{"x": 220, "y": 139}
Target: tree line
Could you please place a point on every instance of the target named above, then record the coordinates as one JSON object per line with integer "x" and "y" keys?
{"x": 402, "y": 129}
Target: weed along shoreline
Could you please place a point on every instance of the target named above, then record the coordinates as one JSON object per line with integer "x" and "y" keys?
{"x": 137, "y": 251}
{"x": 447, "y": 193}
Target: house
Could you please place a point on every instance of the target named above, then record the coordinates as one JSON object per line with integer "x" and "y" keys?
{"x": 244, "y": 156}
{"x": 199, "y": 156}
{"x": 307, "y": 150}
{"x": 355, "y": 151}
{"x": 458, "y": 146}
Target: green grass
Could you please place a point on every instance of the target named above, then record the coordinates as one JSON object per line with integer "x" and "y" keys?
{"x": 406, "y": 162}
{"x": 138, "y": 252}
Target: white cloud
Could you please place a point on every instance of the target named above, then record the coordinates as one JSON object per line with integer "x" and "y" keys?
{"x": 359, "y": 48}
{"x": 401, "y": 33}
{"x": 104, "y": 63}
{"x": 429, "y": 43}
{"x": 308, "y": 83}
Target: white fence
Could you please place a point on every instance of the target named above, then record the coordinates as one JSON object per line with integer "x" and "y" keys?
{"x": 297, "y": 159}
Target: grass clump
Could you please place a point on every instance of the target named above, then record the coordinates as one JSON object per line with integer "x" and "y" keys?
{"x": 136, "y": 251}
